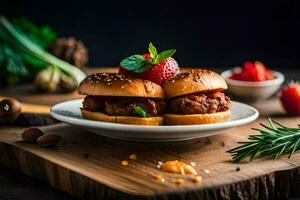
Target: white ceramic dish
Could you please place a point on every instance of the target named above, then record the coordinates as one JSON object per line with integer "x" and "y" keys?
{"x": 252, "y": 91}
{"x": 69, "y": 112}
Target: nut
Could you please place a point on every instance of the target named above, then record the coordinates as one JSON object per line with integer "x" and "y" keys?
{"x": 48, "y": 140}
{"x": 10, "y": 109}
{"x": 31, "y": 135}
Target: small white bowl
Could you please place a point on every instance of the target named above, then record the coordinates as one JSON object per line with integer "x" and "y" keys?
{"x": 252, "y": 91}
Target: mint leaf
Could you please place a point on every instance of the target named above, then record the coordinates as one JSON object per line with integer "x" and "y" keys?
{"x": 164, "y": 55}
{"x": 152, "y": 50}
{"x": 134, "y": 62}
{"x": 140, "y": 111}
{"x": 143, "y": 68}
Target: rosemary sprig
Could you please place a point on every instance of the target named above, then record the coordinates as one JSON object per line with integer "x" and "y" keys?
{"x": 274, "y": 140}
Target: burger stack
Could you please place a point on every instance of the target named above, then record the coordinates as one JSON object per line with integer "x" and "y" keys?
{"x": 194, "y": 97}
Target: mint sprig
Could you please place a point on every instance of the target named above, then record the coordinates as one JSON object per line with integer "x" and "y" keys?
{"x": 138, "y": 64}
{"x": 140, "y": 111}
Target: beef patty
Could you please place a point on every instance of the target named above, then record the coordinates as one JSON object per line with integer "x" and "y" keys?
{"x": 200, "y": 103}
{"x": 124, "y": 106}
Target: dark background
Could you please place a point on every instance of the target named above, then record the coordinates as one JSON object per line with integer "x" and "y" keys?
{"x": 205, "y": 33}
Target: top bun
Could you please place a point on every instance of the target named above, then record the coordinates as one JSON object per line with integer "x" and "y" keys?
{"x": 114, "y": 84}
{"x": 194, "y": 81}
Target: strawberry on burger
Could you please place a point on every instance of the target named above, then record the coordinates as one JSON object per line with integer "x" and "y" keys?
{"x": 152, "y": 66}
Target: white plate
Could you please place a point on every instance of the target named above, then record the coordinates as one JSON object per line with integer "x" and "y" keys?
{"x": 69, "y": 112}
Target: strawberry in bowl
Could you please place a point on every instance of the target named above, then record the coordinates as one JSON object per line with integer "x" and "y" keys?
{"x": 253, "y": 81}
{"x": 254, "y": 72}
{"x": 152, "y": 66}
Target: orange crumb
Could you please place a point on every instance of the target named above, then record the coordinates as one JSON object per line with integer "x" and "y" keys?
{"x": 196, "y": 179}
{"x": 159, "y": 177}
{"x": 124, "y": 162}
{"x": 179, "y": 181}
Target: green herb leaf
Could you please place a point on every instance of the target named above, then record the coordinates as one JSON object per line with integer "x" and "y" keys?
{"x": 41, "y": 35}
{"x": 136, "y": 63}
{"x": 140, "y": 111}
{"x": 164, "y": 55}
{"x": 13, "y": 69}
{"x": 153, "y": 51}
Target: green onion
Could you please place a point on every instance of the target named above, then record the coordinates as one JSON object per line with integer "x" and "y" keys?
{"x": 21, "y": 42}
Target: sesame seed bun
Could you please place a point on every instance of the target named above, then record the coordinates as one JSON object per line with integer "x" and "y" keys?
{"x": 194, "y": 81}
{"x": 115, "y": 84}
{"x": 177, "y": 119}
{"x": 190, "y": 82}
{"x": 99, "y": 116}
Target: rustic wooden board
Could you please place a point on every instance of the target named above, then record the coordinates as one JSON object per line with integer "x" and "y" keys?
{"x": 88, "y": 166}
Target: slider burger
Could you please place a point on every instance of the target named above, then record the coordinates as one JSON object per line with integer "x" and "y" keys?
{"x": 196, "y": 97}
{"x": 112, "y": 97}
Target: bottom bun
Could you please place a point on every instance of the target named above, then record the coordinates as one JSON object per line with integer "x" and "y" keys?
{"x": 99, "y": 116}
{"x": 177, "y": 119}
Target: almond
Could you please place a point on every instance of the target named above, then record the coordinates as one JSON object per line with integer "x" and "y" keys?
{"x": 49, "y": 140}
{"x": 31, "y": 135}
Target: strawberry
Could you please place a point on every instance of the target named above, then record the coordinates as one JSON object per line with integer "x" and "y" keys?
{"x": 253, "y": 72}
{"x": 256, "y": 72}
{"x": 290, "y": 98}
{"x": 151, "y": 66}
{"x": 267, "y": 73}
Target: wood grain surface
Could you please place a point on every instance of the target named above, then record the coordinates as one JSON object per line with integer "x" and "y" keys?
{"x": 88, "y": 166}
